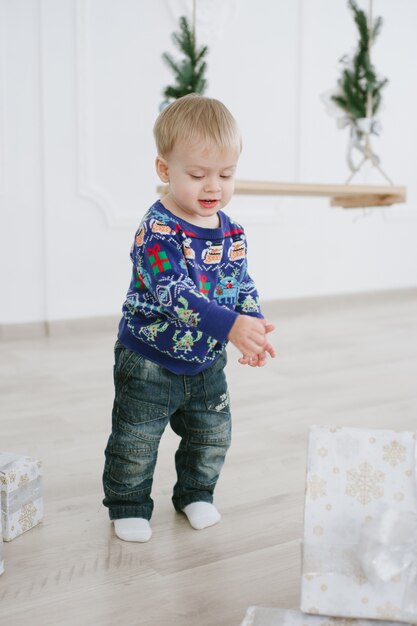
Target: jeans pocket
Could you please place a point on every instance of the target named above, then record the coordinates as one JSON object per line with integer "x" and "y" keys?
{"x": 142, "y": 401}
{"x": 125, "y": 361}
{"x": 215, "y": 387}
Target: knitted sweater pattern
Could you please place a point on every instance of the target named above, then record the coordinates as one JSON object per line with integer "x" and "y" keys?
{"x": 188, "y": 285}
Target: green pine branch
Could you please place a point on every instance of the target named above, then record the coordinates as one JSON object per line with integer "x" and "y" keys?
{"x": 188, "y": 72}
{"x": 359, "y": 78}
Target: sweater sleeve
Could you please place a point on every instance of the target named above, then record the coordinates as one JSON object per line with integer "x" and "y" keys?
{"x": 248, "y": 299}
{"x": 162, "y": 262}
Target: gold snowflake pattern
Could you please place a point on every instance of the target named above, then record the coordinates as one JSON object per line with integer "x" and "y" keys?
{"x": 364, "y": 483}
{"x": 8, "y": 477}
{"x": 388, "y": 611}
{"x": 24, "y": 480}
{"x": 394, "y": 453}
{"x": 27, "y": 516}
{"x": 323, "y": 452}
{"x": 360, "y": 579}
{"x": 316, "y": 487}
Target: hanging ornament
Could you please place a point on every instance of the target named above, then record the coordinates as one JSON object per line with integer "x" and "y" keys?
{"x": 358, "y": 94}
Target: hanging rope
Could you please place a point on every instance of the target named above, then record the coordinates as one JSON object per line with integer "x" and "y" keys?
{"x": 370, "y": 24}
{"x": 360, "y": 135}
{"x": 194, "y": 16}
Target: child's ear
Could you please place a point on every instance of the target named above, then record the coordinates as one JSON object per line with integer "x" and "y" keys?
{"x": 162, "y": 169}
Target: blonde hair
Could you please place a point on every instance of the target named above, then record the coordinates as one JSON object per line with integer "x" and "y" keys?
{"x": 194, "y": 118}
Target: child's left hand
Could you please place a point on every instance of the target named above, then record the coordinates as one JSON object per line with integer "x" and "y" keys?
{"x": 259, "y": 360}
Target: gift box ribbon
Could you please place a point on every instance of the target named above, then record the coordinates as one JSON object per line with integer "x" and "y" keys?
{"x": 18, "y": 498}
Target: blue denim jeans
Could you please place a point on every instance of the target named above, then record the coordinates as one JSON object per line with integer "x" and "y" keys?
{"x": 147, "y": 397}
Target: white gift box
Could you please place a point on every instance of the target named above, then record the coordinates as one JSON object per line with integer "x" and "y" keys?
{"x": 21, "y": 494}
{"x": 360, "y": 525}
{"x": 1, "y": 550}
{"x": 263, "y": 616}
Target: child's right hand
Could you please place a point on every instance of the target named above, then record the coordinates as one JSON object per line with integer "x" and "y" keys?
{"x": 248, "y": 335}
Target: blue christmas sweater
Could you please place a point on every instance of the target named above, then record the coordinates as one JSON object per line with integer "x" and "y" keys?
{"x": 188, "y": 286}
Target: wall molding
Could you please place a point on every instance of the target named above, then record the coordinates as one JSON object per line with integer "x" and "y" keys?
{"x": 2, "y": 99}
{"x": 92, "y": 191}
{"x": 212, "y": 18}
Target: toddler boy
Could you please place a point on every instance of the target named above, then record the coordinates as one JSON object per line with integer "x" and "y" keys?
{"x": 190, "y": 292}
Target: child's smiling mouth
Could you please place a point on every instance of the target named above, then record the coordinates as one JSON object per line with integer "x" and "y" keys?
{"x": 208, "y": 204}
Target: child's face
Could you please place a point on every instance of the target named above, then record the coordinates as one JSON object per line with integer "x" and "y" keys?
{"x": 201, "y": 181}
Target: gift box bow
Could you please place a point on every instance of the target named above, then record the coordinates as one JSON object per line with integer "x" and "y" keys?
{"x": 388, "y": 548}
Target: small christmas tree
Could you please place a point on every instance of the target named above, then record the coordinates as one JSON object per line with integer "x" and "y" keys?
{"x": 359, "y": 93}
{"x": 189, "y": 72}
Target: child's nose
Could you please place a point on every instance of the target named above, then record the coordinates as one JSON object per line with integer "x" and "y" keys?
{"x": 212, "y": 184}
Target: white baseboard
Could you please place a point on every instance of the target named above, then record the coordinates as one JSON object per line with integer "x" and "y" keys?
{"x": 271, "y": 308}
{"x": 303, "y": 306}
{"x": 59, "y": 327}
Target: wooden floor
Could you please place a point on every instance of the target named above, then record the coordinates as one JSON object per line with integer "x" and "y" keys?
{"x": 345, "y": 361}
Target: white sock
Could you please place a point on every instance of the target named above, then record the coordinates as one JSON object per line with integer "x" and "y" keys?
{"x": 133, "y": 529}
{"x": 201, "y": 514}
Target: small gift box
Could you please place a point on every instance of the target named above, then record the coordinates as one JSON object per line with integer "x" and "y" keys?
{"x": 262, "y": 616}
{"x": 360, "y": 525}
{"x": 1, "y": 550}
{"x": 21, "y": 494}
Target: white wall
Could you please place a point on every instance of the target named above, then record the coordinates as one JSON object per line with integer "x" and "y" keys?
{"x": 80, "y": 86}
